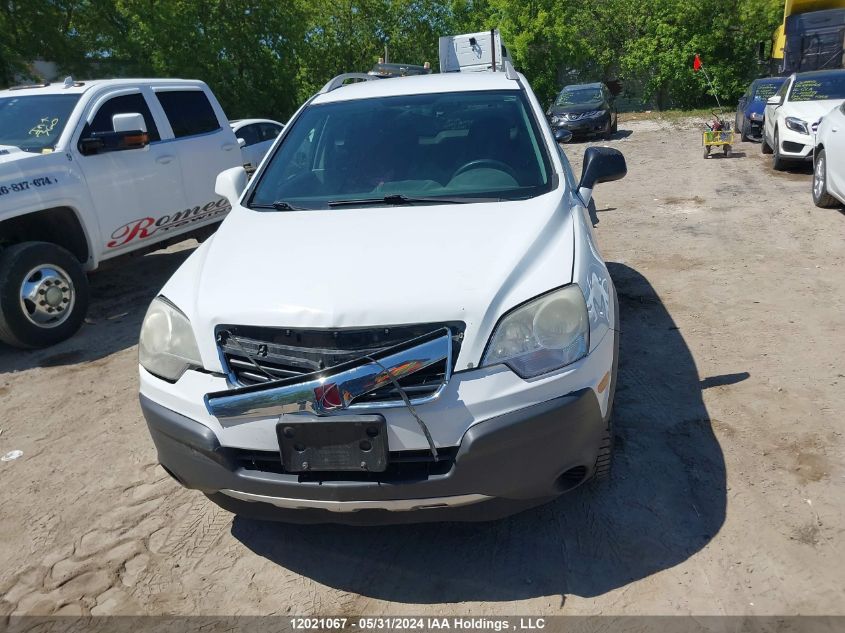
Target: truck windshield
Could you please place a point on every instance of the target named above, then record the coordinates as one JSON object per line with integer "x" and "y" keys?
{"x": 818, "y": 87}
{"x": 34, "y": 123}
{"x": 464, "y": 146}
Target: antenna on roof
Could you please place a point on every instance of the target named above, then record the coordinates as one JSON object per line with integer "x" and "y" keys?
{"x": 69, "y": 82}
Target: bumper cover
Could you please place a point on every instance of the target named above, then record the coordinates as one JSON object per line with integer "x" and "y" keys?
{"x": 503, "y": 464}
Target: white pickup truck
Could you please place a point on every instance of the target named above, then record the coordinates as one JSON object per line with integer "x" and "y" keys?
{"x": 93, "y": 170}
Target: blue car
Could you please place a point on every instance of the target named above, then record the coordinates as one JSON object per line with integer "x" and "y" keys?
{"x": 749, "y": 112}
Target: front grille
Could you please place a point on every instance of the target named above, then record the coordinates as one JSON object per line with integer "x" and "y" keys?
{"x": 254, "y": 355}
{"x": 402, "y": 466}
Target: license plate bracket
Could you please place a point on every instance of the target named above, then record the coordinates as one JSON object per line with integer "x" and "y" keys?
{"x": 350, "y": 443}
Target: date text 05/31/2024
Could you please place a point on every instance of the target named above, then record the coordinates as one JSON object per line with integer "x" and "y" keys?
{"x": 388, "y": 623}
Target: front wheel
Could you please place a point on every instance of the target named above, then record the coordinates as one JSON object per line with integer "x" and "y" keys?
{"x": 778, "y": 162}
{"x": 821, "y": 198}
{"x": 764, "y": 144}
{"x": 43, "y": 294}
{"x": 743, "y": 134}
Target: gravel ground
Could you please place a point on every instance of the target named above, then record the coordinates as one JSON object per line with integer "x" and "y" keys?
{"x": 726, "y": 498}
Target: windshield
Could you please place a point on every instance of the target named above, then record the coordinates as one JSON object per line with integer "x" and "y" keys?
{"x": 766, "y": 89}
{"x": 578, "y": 96}
{"x": 466, "y": 145}
{"x": 34, "y": 123}
{"x": 818, "y": 88}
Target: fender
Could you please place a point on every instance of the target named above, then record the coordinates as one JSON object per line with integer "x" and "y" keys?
{"x": 38, "y": 182}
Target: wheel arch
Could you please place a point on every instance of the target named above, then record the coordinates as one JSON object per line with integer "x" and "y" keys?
{"x": 59, "y": 225}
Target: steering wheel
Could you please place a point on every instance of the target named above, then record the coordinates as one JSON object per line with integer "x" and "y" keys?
{"x": 485, "y": 162}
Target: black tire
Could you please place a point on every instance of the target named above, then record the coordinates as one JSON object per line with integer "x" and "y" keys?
{"x": 21, "y": 263}
{"x": 616, "y": 124}
{"x": 821, "y": 198}
{"x": 706, "y": 151}
{"x": 743, "y": 132}
{"x": 778, "y": 162}
{"x": 727, "y": 151}
{"x": 764, "y": 144}
{"x": 608, "y": 132}
{"x": 604, "y": 459}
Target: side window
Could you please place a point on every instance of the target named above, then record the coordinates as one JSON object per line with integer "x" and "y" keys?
{"x": 188, "y": 111}
{"x": 125, "y": 104}
{"x": 250, "y": 134}
{"x": 269, "y": 132}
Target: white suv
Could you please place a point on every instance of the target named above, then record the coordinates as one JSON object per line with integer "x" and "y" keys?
{"x": 793, "y": 112}
{"x": 404, "y": 318}
{"x": 91, "y": 171}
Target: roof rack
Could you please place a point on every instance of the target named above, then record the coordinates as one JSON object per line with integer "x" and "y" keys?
{"x": 338, "y": 81}
{"x": 29, "y": 86}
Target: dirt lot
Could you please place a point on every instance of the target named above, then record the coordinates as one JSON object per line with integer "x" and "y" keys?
{"x": 727, "y": 495}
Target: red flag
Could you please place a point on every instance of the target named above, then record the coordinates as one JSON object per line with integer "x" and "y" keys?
{"x": 696, "y": 65}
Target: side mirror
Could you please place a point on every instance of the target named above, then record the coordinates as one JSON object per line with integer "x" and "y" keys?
{"x": 102, "y": 142}
{"x": 601, "y": 164}
{"x": 128, "y": 122}
{"x": 774, "y": 100}
{"x": 241, "y": 142}
{"x": 231, "y": 184}
{"x": 562, "y": 135}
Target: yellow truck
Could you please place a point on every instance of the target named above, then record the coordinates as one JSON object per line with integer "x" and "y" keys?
{"x": 810, "y": 37}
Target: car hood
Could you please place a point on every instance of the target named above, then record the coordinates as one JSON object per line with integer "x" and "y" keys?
{"x": 10, "y": 153}
{"x": 581, "y": 107}
{"x": 810, "y": 111}
{"x": 376, "y": 266}
{"x": 755, "y": 107}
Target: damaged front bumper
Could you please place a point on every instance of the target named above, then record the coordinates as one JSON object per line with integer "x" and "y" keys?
{"x": 502, "y": 465}
{"x": 503, "y": 443}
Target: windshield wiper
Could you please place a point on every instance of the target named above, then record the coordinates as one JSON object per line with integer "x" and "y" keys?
{"x": 279, "y": 205}
{"x": 398, "y": 198}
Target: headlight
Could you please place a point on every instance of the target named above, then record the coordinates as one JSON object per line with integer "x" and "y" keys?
{"x": 593, "y": 114}
{"x": 756, "y": 116}
{"x": 545, "y": 334}
{"x": 796, "y": 125}
{"x": 167, "y": 347}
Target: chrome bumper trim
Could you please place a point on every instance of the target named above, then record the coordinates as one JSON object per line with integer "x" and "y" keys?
{"x": 393, "y": 505}
{"x": 335, "y": 389}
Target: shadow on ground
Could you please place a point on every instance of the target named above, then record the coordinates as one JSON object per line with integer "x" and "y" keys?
{"x": 664, "y": 502}
{"x": 616, "y": 136}
{"x": 119, "y": 299}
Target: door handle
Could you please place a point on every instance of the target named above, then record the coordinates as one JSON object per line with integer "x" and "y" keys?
{"x": 164, "y": 160}
{"x": 228, "y": 147}
{"x": 834, "y": 129}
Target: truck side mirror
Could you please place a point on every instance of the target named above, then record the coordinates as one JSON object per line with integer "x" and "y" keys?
{"x": 231, "y": 184}
{"x": 128, "y": 122}
{"x": 241, "y": 142}
{"x": 601, "y": 164}
{"x": 130, "y": 132}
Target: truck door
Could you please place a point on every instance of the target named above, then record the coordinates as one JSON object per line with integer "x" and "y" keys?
{"x": 205, "y": 136}
{"x": 136, "y": 190}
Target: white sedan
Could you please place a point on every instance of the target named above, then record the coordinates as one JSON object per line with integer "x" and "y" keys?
{"x": 255, "y": 136}
{"x": 829, "y": 160}
{"x": 793, "y": 111}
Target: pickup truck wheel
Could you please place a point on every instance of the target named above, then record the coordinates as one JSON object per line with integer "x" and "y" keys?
{"x": 43, "y": 294}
